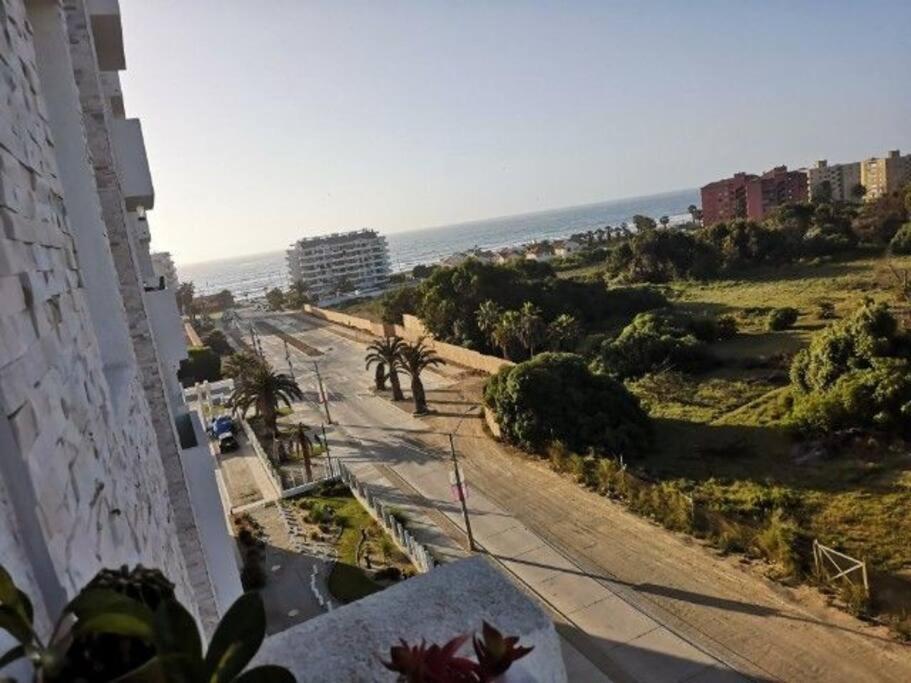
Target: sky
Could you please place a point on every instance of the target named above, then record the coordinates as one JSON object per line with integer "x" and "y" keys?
{"x": 268, "y": 121}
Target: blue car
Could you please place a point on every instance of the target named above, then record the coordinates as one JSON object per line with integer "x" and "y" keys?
{"x": 223, "y": 430}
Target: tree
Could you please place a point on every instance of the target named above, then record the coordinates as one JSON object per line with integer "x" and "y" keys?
{"x": 531, "y": 327}
{"x": 305, "y": 446}
{"x": 858, "y": 192}
{"x": 563, "y": 332}
{"x": 264, "y": 390}
{"x": 506, "y": 332}
{"x": 664, "y": 220}
{"x": 556, "y": 397}
{"x": 387, "y": 352}
{"x": 218, "y": 342}
{"x": 239, "y": 364}
{"x": 643, "y": 223}
{"x": 397, "y": 302}
{"x": 184, "y": 294}
{"x": 695, "y": 213}
{"x": 202, "y": 365}
{"x": 297, "y": 295}
{"x": 413, "y": 360}
{"x": 652, "y": 341}
{"x": 488, "y": 316}
{"x": 822, "y": 193}
{"x": 275, "y": 298}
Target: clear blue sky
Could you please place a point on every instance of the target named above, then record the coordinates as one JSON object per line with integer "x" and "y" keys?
{"x": 267, "y": 121}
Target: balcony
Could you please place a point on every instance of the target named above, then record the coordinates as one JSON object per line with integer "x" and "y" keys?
{"x": 208, "y": 509}
{"x": 107, "y": 34}
{"x": 110, "y": 86}
{"x": 133, "y": 164}
{"x": 167, "y": 328}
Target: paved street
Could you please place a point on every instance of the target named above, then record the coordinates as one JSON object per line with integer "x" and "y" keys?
{"x": 632, "y": 601}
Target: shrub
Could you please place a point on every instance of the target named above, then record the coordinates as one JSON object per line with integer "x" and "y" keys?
{"x": 826, "y": 310}
{"x": 782, "y": 318}
{"x": 855, "y": 373}
{"x": 556, "y": 397}
{"x": 777, "y": 543}
{"x": 711, "y": 329}
{"x": 901, "y": 242}
{"x": 202, "y": 364}
{"x": 651, "y": 341}
{"x": 398, "y": 302}
{"x": 388, "y": 574}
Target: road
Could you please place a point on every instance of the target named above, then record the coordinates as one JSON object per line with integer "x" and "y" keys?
{"x": 632, "y": 601}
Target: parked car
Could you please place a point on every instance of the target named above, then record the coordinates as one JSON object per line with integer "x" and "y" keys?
{"x": 223, "y": 430}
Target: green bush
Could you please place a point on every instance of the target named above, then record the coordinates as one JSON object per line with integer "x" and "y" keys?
{"x": 879, "y": 396}
{"x": 901, "y": 243}
{"x": 855, "y": 373}
{"x": 556, "y": 397}
{"x": 651, "y": 341}
{"x": 201, "y": 365}
{"x": 782, "y": 318}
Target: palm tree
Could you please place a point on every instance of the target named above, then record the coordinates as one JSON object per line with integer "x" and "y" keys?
{"x": 414, "y": 358}
{"x": 306, "y": 448}
{"x": 264, "y": 389}
{"x": 487, "y": 317}
{"x": 240, "y": 364}
{"x": 386, "y": 353}
{"x": 563, "y": 332}
{"x": 531, "y": 327}
{"x": 506, "y": 331}
{"x": 664, "y": 220}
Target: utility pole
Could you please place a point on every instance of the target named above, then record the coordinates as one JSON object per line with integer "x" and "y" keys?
{"x": 322, "y": 392}
{"x": 326, "y": 446}
{"x": 461, "y": 490}
{"x": 288, "y": 358}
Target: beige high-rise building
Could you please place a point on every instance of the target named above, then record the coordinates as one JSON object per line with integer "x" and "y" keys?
{"x": 842, "y": 179}
{"x": 882, "y": 175}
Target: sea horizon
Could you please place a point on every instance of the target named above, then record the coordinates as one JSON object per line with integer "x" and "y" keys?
{"x": 251, "y": 274}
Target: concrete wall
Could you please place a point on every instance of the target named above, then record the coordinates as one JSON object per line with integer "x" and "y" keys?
{"x": 412, "y": 330}
{"x": 83, "y": 483}
{"x": 451, "y": 600}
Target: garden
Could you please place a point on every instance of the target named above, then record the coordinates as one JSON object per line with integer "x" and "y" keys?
{"x": 333, "y": 523}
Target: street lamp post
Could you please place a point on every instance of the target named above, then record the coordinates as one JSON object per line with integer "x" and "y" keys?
{"x": 288, "y": 358}
{"x": 461, "y": 493}
{"x": 322, "y": 392}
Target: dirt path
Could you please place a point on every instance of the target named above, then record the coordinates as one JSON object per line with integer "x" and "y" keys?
{"x": 758, "y": 627}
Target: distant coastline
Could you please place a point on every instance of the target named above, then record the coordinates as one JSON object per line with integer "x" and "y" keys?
{"x": 251, "y": 275}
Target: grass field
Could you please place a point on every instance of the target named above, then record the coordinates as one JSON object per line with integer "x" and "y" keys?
{"x": 721, "y": 435}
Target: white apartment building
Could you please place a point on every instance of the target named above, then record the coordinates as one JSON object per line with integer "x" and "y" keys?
{"x": 340, "y": 265}
{"x": 102, "y": 463}
{"x": 163, "y": 265}
{"x": 841, "y": 178}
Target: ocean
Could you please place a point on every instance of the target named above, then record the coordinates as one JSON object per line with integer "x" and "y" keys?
{"x": 252, "y": 275}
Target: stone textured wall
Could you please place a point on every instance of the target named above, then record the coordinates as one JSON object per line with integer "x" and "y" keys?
{"x": 85, "y": 486}
{"x": 97, "y": 116}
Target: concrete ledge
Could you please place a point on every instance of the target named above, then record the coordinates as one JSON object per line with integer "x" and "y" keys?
{"x": 348, "y": 643}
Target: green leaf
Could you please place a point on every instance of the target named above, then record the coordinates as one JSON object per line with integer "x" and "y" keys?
{"x": 176, "y": 631}
{"x": 11, "y": 656}
{"x": 11, "y": 596}
{"x": 13, "y": 623}
{"x": 266, "y": 674}
{"x": 106, "y": 611}
{"x": 118, "y": 623}
{"x": 237, "y": 638}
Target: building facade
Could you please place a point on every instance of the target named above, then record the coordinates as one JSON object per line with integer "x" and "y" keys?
{"x": 163, "y": 266}
{"x": 746, "y": 195}
{"x": 340, "y": 265}
{"x": 883, "y": 175}
{"x": 101, "y": 461}
{"x": 838, "y": 182}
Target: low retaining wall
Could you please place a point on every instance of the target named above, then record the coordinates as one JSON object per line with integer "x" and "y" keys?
{"x": 258, "y": 449}
{"x": 411, "y": 330}
{"x": 491, "y": 419}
